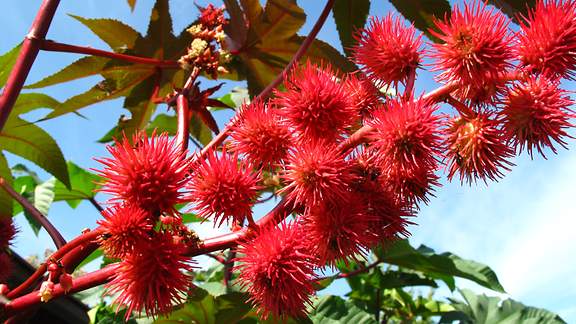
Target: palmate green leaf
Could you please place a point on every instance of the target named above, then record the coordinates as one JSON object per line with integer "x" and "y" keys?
{"x": 116, "y": 34}
{"x": 350, "y": 15}
{"x": 84, "y": 67}
{"x": 27, "y": 102}
{"x": 271, "y": 42}
{"x": 83, "y": 185}
{"x": 7, "y": 61}
{"x": 423, "y": 12}
{"x": 41, "y": 195}
{"x": 335, "y": 310}
{"x": 24, "y": 185}
{"x": 6, "y": 201}
{"x": 200, "y": 309}
{"x": 513, "y": 8}
{"x": 439, "y": 266}
{"x": 34, "y": 144}
{"x": 481, "y": 309}
{"x": 44, "y": 196}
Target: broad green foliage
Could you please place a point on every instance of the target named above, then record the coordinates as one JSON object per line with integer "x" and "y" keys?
{"x": 7, "y": 62}
{"x": 423, "y": 13}
{"x": 350, "y": 15}
{"x": 83, "y": 185}
{"x": 513, "y": 8}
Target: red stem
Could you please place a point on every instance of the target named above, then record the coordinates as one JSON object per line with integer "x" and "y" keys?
{"x": 183, "y": 111}
{"x": 58, "y": 239}
{"x": 86, "y": 281}
{"x": 48, "y": 45}
{"x": 86, "y": 237}
{"x": 26, "y": 57}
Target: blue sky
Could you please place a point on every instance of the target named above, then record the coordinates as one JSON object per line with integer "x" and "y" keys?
{"x": 521, "y": 226}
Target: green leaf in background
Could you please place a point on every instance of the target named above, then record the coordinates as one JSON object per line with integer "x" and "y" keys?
{"x": 423, "y": 12}
{"x": 200, "y": 309}
{"x": 7, "y": 61}
{"x": 426, "y": 261}
{"x": 34, "y": 144}
{"x": 234, "y": 99}
{"x": 6, "y": 201}
{"x": 481, "y": 309}
{"x": 83, "y": 185}
{"x": 350, "y": 15}
{"x": 116, "y": 34}
{"x": 25, "y": 186}
{"x": 199, "y": 130}
{"x": 44, "y": 196}
{"x": 335, "y": 310}
{"x": 81, "y": 68}
{"x": 513, "y": 8}
{"x": 27, "y": 102}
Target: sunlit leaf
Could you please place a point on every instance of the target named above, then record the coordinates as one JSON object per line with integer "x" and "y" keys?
{"x": 7, "y": 61}
{"x": 116, "y": 34}
{"x": 5, "y": 199}
{"x": 83, "y": 186}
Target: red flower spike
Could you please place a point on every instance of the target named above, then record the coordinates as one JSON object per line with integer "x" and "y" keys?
{"x": 315, "y": 104}
{"x": 210, "y": 17}
{"x": 277, "y": 270}
{"x": 547, "y": 41}
{"x": 388, "y": 51}
{"x": 125, "y": 227}
{"x": 316, "y": 173}
{"x": 7, "y": 232}
{"x": 536, "y": 113}
{"x": 338, "y": 231}
{"x": 477, "y": 148}
{"x": 476, "y": 46}
{"x": 365, "y": 95}
{"x": 261, "y": 135}
{"x": 153, "y": 278}
{"x": 150, "y": 173}
{"x": 408, "y": 135}
{"x": 5, "y": 266}
{"x": 224, "y": 187}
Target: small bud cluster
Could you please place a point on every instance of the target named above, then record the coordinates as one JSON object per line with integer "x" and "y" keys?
{"x": 206, "y": 52}
{"x": 351, "y": 162}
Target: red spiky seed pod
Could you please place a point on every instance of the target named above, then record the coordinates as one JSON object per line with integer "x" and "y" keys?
{"x": 547, "y": 41}
{"x": 411, "y": 186}
{"x": 149, "y": 173}
{"x": 5, "y": 266}
{"x": 7, "y": 232}
{"x": 338, "y": 231}
{"x": 223, "y": 187}
{"x": 476, "y": 46}
{"x": 315, "y": 104}
{"x": 260, "y": 134}
{"x": 477, "y": 148}
{"x": 388, "y": 50}
{"x": 153, "y": 278}
{"x": 124, "y": 227}
{"x": 277, "y": 270}
{"x": 408, "y": 134}
{"x": 365, "y": 96}
{"x": 536, "y": 113}
{"x": 316, "y": 173}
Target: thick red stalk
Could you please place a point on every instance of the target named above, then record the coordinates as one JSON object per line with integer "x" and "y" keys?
{"x": 70, "y": 246}
{"x": 52, "y": 46}
{"x": 26, "y": 57}
{"x": 58, "y": 239}
{"x": 183, "y": 110}
{"x": 84, "y": 282}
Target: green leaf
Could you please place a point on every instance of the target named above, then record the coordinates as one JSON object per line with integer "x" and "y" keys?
{"x": 44, "y": 196}
{"x": 199, "y": 130}
{"x": 439, "y": 265}
{"x": 232, "y": 307}
{"x": 350, "y": 15}
{"x": 27, "y": 102}
{"x": 483, "y": 309}
{"x": 163, "y": 123}
{"x": 334, "y": 310}
{"x": 7, "y": 61}
{"x": 24, "y": 185}
{"x": 423, "y": 12}
{"x": 399, "y": 279}
{"x": 83, "y": 185}
{"x": 132, "y": 4}
{"x": 234, "y": 99}
{"x": 512, "y": 8}
{"x": 200, "y": 309}
{"x": 6, "y": 201}
{"x": 93, "y": 256}
{"x": 118, "y": 84}
{"x": 84, "y": 67}
{"x": 116, "y": 34}
{"x": 34, "y": 144}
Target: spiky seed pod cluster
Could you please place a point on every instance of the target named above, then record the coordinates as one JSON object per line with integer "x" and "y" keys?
{"x": 7, "y": 232}
{"x": 350, "y": 190}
